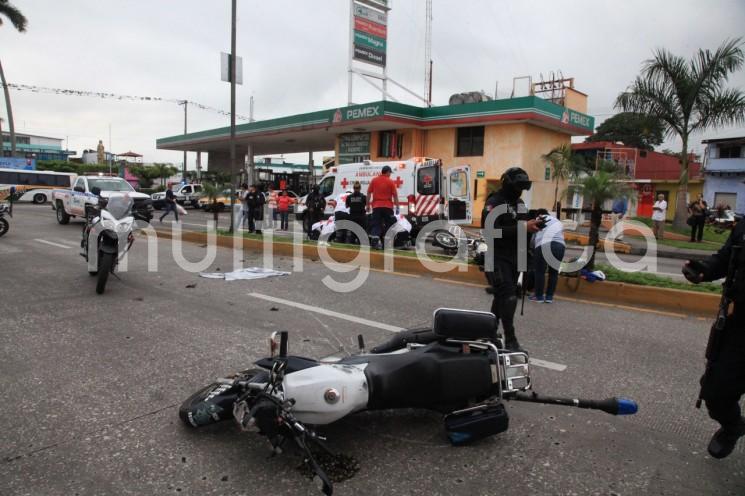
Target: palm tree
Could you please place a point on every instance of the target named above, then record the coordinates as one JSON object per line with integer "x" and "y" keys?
{"x": 564, "y": 164}
{"x": 688, "y": 96}
{"x": 163, "y": 172}
{"x": 212, "y": 190}
{"x": 605, "y": 183}
{"x": 19, "y": 21}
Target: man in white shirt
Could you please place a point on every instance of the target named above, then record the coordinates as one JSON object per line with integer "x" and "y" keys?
{"x": 549, "y": 240}
{"x": 659, "y": 212}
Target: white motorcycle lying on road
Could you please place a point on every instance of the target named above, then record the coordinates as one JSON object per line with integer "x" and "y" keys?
{"x": 107, "y": 235}
{"x": 458, "y": 367}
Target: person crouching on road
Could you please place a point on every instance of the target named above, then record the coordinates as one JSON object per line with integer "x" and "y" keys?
{"x": 255, "y": 202}
{"x": 503, "y": 277}
{"x": 283, "y": 208}
{"x": 383, "y": 197}
{"x": 357, "y": 206}
{"x": 170, "y": 205}
{"x": 550, "y": 239}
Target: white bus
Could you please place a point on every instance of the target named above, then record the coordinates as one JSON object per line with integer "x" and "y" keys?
{"x": 32, "y": 185}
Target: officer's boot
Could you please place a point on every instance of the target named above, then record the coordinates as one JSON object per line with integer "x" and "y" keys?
{"x": 724, "y": 440}
{"x": 510, "y": 341}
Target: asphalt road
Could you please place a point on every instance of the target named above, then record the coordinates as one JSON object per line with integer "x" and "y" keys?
{"x": 91, "y": 384}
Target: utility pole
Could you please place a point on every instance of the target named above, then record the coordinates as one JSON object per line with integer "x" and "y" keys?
{"x": 111, "y": 155}
{"x": 183, "y": 172}
{"x": 232, "y": 113}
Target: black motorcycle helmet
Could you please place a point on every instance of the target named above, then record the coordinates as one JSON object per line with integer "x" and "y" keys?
{"x": 515, "y": 180}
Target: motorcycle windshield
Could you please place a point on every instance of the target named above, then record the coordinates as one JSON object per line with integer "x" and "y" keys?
{"x": 119, "y": 206}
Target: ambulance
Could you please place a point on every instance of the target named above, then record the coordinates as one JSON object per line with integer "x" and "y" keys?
{"x": 426, "y": 190}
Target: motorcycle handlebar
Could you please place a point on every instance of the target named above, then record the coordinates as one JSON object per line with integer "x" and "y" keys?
{"x": 614, "y": 406}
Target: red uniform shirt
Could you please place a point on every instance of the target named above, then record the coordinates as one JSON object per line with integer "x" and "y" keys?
{"x": 283, "y": 203}
{"x": 382, "y": 189}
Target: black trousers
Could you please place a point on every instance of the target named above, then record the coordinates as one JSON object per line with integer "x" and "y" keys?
{"x": 697, "y": 227}
{"x": 382, "y": 220}
{"x": 311, "y": 218}
{"x": 504, "y": 284}
{"x": 723, "y": 383}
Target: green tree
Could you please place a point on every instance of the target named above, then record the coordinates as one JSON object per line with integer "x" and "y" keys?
{"x": 19, "y": 21}
{"x": 163, "y": 172}
{"x": 145, "y": 174}
{"x": 597, "y": 187}
{"x": 635, "y": 130}
{"x": 688, "y": 96}
{"x": 212, "y": 189}
{"x": 564, "y": 164}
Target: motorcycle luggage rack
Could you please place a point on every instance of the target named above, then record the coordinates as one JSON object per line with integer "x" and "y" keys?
{"x": 513, "y": 367}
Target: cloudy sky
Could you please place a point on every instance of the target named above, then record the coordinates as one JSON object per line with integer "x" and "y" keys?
{"x": 295, "y": 56}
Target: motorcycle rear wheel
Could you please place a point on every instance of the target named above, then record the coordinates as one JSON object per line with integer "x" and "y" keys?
{"x": 106, "y": 262}
{"x": 4, "y": 226}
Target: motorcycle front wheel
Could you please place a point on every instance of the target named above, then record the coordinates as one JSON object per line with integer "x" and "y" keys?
{"x": 106, "y": 262}
{"x": 4, "y": 226}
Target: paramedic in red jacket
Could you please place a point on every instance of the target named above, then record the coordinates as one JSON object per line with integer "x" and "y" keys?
{"x": 382, "y": 196}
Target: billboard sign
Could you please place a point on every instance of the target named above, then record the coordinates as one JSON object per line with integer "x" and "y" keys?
{"x": 370, "y": 32}
{"x": 225, "y": 68}
{"x": 18, "y": 163}
{"x": 371, "y": 15}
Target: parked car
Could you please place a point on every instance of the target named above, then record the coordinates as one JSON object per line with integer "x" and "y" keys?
{"x": 221, "y": 202}
{"x": 186, "y": 194}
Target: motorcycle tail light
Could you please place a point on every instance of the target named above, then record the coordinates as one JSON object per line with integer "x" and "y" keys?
{"x": 412, "y": 204}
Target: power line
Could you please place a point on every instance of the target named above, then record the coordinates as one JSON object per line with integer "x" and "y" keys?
{"x": 115, "y": 96}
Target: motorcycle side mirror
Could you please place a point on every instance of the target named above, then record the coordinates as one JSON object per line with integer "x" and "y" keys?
{"x": 96, "y": 190}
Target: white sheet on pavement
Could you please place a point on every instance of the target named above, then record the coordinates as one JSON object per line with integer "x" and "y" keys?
{"x": 249, "y": 273}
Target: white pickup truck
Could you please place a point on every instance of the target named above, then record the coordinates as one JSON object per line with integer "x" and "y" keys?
{"x": 186, "y": 194}
{"x": 72, "y": 203}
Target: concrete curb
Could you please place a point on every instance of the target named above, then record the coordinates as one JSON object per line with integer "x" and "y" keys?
{"x": 671, "y": 300}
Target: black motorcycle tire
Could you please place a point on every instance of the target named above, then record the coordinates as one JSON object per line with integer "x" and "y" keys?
{"x": 4, "y": 226}
{"x": 446, "y": 240}
{"x": 106, "y": 262}
{"x": 197, "y": 411}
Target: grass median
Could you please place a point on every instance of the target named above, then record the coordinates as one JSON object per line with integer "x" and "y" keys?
{"x": 647, "y": 279}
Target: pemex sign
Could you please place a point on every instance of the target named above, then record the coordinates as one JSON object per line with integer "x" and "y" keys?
{"x": 370, "y": 31}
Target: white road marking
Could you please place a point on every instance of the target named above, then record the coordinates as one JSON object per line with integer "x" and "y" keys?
{"x": 73, "y": 244}
{"x": 379, "y": 325}
{"x": 50, "y": 243}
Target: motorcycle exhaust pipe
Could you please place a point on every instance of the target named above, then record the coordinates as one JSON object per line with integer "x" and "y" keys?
{"x": 614, "y": 406}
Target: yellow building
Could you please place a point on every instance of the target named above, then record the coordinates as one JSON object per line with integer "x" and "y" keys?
{"x": 490, "y": 136}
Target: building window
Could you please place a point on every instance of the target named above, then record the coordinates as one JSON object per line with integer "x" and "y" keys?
{"x": 390, "y": 144}
{"x": 470, "y": 141}
{"x": 730, "y": 151}
{"x": 725, "y": 200}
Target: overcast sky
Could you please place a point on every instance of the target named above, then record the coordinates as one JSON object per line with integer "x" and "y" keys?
{"x": 295, "y": 57}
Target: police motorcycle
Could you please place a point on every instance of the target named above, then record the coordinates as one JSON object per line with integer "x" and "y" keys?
{"x": 108, "y": 233}
{"x": 458, "y": 367}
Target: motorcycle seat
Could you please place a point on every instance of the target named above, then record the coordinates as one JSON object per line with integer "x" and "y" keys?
{"x": 467, "y": 325}
{"x": 427, "y": 377}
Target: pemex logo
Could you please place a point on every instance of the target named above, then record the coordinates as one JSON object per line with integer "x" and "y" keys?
{"x": 337, "y": 117}
{"x": 565, "y": 117}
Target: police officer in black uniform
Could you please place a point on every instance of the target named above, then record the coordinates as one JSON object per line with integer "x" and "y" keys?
{"x": 357, "y": 203}
{"x": 723, "y": 382}
{"x": 254, "y": 201}
{"x": 503, "y": 279}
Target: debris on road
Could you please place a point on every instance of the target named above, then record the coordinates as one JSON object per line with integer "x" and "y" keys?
{"x": 249, "y": 273}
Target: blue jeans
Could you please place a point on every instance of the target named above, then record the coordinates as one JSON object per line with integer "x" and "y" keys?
{"x": 170, "y": 207}
{"x": 284, "y": 220}
{"x": 540, "y": 264}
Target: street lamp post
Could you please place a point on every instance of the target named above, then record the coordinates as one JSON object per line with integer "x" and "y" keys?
{"x": 232, "y": 115}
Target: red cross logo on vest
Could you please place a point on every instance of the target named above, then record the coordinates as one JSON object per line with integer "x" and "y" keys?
{"x": 344, "y": 182}
{"x": 398, "y": 181}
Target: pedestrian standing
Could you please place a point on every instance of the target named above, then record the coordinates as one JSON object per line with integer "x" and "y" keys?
{"x": 504, "y": 230}
{"x": 723, "y": 382}
{"x": 618, "y": 212}
{"x": 283, "y": 208}
{"x": 383, "y": 199}
{"x": 170, "y": 205}
{"x": 357, "y": 205}
{"x": 659, "y": 213}
{"x": 255, "y": 202}
{"x": 550, "y": 239}
{"x": 271, "y": 203}
{"x": 242, "y": 194}
{"x": 697, "y": 218}
{"x": 315, "y": 204}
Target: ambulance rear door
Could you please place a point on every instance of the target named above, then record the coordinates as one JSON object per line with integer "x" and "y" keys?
{"x": 459, "y": 198}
